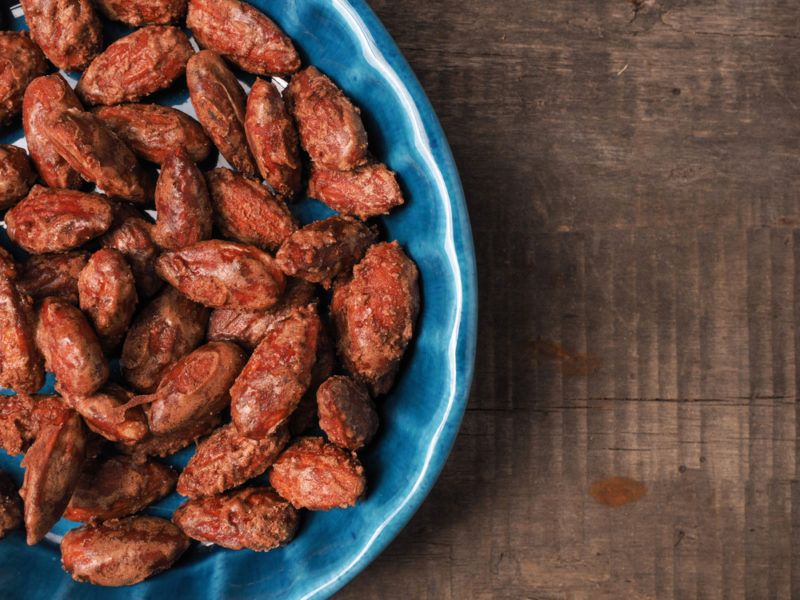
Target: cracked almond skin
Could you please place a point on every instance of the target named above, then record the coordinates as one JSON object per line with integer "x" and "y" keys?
{"x": 53, "y": 275}
{"x": 53, "y": 220}
{"x": 99, "y": 156}
{"x": 21, "y": 61}
{"x": 273, "y": 139}
{"x": 99, "y": 412}
{"x": 368, "y": 191}
{"x": 221, "y": 274}
{"x": 374, "y": 314}
{"x": 122, "y": 552}
{"x": 45, "y": 97}
{"x": 247, "y": 212}
{"x": 195, "y": 387}
{"x": 53, "y": 465}
{"x": 227, "y": 459}
{"x": 23, "y": 416}
{"x": 277, "y": 375}
{"x": 135, "y": 66}
{"x": 67, "y": 31}
{"x": 70, "y": 348}
{"x": 143, "y": 12}
{"x": 219, "y": 102}
{"x": 165, "y": 331}
{"x": 107, "y": 292}
{"x": 324, "y": 249}
{"x": 16, "y": 175}
{"x": 346, "y": 412}
{"x": 330, "y": 126}
{"x": 248, "y": 327}
{"x": 10, "y": 505}
{"x": 21, "y": 365}
{"x": 316, "y": 475}
{"x": 132, "y": 236}
{"x": 255, "y": 518}
{"x": 169, "y": 443}
{"x": 155, "y": 132}
{"x": 118, "y": 487}
{"x": 244, "y": 35}
{"x": 183, "y": 207}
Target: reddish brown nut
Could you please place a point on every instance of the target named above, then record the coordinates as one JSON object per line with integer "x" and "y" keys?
{"x": 253, "y": 518}
{"x": 248, "y": 328}
{"x": 170, "y": 443}
{"x": 195, "y": 387}
{"x": 21, "y": 367}
{"x": 166, "y": 330}
{"x": 53, "y": 275}
{"x": 70, "y": 348}
{"x": 155, "y": 132}
{"x": 118, "y": 487}
{"x": 97, "y": 154}
{"x": 277, "y": 374}
{"x": 143, "y": 12}
{"x": 346, "y": 412}
{"x": 67, "y": 31}
{"x": 273, "y": 139}
{"x": 247, "y": 212}
{"x": 23, "y": 416}
{"x": 374, "y": 314}
{"x": 227, "y": 459}
{"x": 135, "y": 66}
{"x": 221, "y": 274}
{"x": 16, "y": 174}
{"x": 101, "y": 414}
{"x": 8, "y": 266}
{"x": 122, "y": 552}
{"x": 244, "y": 35}
{"x": 132, "y": 236}
{"x": 330, "y": 126}
{"x": 20, "y": 62}
{"x": 10, "y": 505}
{"x": 53, "y": 220}
{"x": 107, "y": 292}
{"x": 318, "y": 476}
{"x": 219, "y": 102}
{"x": 183, "y": 207}
{"x": 52, "y": 468}
{"x": 305, "y": 415}
{"x": 323, "y": 249}
{"x": 367, "y": 191}
{"x": 45, "y": 97}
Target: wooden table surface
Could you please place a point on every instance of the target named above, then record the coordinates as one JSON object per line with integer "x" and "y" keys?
{"x": 631, "y": 172}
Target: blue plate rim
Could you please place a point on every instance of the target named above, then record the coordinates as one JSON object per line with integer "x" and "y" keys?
{"x": 392, "y": 65}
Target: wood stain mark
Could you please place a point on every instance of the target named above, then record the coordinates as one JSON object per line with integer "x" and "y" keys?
{"x": 617, "y": 491}
{"x": 572, "y": 364}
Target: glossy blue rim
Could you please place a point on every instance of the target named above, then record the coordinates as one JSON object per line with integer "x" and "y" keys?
{"x": 381, "y": 53}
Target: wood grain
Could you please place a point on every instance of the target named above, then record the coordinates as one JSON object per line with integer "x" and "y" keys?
{"x": 631, "y": 171}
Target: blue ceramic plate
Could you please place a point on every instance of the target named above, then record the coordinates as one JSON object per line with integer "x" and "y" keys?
{"x": 419, "y": 419}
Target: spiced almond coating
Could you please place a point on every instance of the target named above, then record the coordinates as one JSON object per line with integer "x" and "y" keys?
{"x": 374, "y": 313}
{"x": 21, "y": 61}
{"x": 16, "y": 174}
{"x": 346, "y": 412}
{"x": 367, "y": 191}
{"x": 10, "y": 505}
{"x": 244, "y": 35}
{"x": 143, "y": 12}
{"x": 67, "y": 31}
{"x": 53, "y": 275}
{"x": 100, "y": 412}
{"x": 133, "y": 237}
{"x": 118, "y": 487}
{"x": 155, "y": 132}
{"x": 44, "y": 98}
{"x": 219, "y": 102}
{"x": 227, "y": 459}
{"x": 135, "y": 66}
{"x": 23, "y": 416}
{"x": 21, "y": 365}
{"x": 330, "y": 126}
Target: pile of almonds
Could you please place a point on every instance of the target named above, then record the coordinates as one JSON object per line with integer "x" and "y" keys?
{"x": 236, "y": 328}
